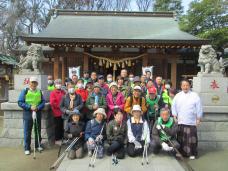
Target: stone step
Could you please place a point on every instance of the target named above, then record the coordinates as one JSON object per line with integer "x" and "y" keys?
{"x": 160, "y": 162}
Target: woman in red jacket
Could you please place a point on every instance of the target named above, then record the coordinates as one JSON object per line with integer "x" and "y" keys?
{"x": 55, "y": 99}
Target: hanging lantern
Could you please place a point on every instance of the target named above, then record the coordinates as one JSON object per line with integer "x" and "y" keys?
{"x": 107, "y": 64}
{"x": 100, "y": 62}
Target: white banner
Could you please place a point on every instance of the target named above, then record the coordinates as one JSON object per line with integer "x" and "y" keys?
{"x": 74, "y": 71}
{"x": 148, "y": 68}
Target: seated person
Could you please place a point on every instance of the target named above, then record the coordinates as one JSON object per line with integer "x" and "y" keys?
{"x": 164, "y": 129}
{"x": 75, "y": 128}
{"x": 138, "y": 132}
{"x": 116, "y": 134}
{"x": 95, "y": 132}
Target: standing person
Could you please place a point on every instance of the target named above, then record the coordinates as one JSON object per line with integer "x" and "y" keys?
{"x": 103, "y": 85}
{"x": 109, "y": 79}
{"x": 95, "y": 133}
{"x": 124, "y": 75}
{"x": 95, "y": 100}
{"x": 93, "y": 76}
{"x": 85, "y": 77}
{"x": 138, "y": 132}
{"x": 187, "y": 110}
{"x": 81, "y": 90}
{"x": 31, "y": 99}
{"x": 51, "y": 85}
{"x": 75, "y": 128}
{"x": 74, "y": 79}
{"x": 89, "y": 86}
{"x": 159, "y": 86}
{"x": 135, "y": 99}
{"x": 55, "y": 99}
{"x": 116, "y": 135}
{"x": 160, "y": 140}
{"x": 123, "y": 88}
{"x": 70, "y": 102}
{"x": 165, "y": 94}
{"x": 115, "y": 101}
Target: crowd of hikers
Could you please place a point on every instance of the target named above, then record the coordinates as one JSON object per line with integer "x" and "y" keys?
{"x": 128, "y": 113}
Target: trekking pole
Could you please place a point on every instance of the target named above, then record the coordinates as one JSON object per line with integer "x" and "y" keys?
{"x": 34, "y": 149}
{"x": 177, "y": 151}
{"x": 94, "y": 156}
{"x": 145, "y": 154}
{"x": 37, "y": 133}
{"x": 64, "y": 153}
{"x": 62, "y": 143}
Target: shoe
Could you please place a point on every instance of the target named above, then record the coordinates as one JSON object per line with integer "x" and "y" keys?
{"x": 27, "y": 152}
{"x": 40, "y": 149}
{"x": 58, "y": 143}
{"x": 90, "y": 153}
{"x": 192, "y": 157}
{"x": 178, "y": 155}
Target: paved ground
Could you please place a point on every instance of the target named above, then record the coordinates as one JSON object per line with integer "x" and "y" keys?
{"x": 156, "y": 163}
{"x": 13, "y": 159}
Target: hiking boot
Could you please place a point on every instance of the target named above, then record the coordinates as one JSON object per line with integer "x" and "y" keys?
{"x": 27, "y": 152}
{"x": 40, "y": 149}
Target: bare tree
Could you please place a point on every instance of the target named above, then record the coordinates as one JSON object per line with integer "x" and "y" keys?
{"x": 144, "y": 5}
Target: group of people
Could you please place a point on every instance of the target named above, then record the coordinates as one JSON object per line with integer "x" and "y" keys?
{"x": 130, "y": 112}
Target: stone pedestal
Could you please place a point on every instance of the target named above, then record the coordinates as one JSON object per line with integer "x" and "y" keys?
{"x": 213, "y": 91}
{"x": 12, "y": 134}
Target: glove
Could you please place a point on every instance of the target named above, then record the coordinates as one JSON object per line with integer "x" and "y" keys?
{"x": 116, "y": 107}
{"x": 99, "y": 138}
{"x": 91, "y": 140}
{"x": 70, "y": 135}
{"x": 165, "y": 147}
{"x": 33, "y": 115}
{"x": 68, "y": 112}
{"x": 137, "y": 145}
{"x": 158, "y": 127}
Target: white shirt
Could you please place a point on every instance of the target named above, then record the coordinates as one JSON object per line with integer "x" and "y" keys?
{"x": 187, "y": 107}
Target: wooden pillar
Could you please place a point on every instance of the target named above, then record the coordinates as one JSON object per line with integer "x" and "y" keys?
{"x": 56, "y": 66}
{"x": 165, "y": 68}
{"x": 63, "y": 69}
{"x": 85, "y": 62}
{"x": 174, "y": 71}
{"x": 145, "y": 60}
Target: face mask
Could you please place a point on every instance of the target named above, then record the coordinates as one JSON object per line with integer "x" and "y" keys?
{"x": 80, "y": 85}
{"x": 50, "y": 82}
{"x": 58, "y": 86}
{"x": 167, "y": 86}
{"x": 131, "y": 79}
{"x": 109, "y": 80}
{"x": 71, "y": 90}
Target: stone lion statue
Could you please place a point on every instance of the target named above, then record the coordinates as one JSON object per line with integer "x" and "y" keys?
{"x": 208, "y": 61}
{"x": 32, "y": 61}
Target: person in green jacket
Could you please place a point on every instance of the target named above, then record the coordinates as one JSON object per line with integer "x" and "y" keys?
{"x": 165, "y": 94}
{"x": 153, "y": 105}
{"x": 94, "y": 101}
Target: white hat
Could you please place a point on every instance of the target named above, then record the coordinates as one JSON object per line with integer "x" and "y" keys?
{"x": 137, "y": 88}
{"x": 101, "y": 111}
{"x": 33, "y": 79}
{"x": 136, "y": 108}
{"x": 113, "y": 84}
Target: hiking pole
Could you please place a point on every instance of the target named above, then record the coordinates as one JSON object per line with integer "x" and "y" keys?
{"x": 145, "y": 154}
{"x": 60, "y": 147}
{"x": 177, "y": 151}
{"x": 94, "y": 156}
{"x": 64, "y": 153}
{"x": 34, "y": 149}
{"x": 37, "y": 133}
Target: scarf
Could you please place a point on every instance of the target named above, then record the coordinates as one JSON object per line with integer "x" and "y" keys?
{"x": 72, "y": 97}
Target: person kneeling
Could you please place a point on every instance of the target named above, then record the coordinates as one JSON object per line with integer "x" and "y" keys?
{"x": 75, "y": 128}
{"x": 95, "y": 132}
{"x": 164, "y": 132}
{"x": 116, "y": 134}
{"x": 138, "y": 132}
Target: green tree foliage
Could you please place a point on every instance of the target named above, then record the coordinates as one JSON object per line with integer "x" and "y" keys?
{"x": 207, "y": 19}
{"x": 168, "y": 5}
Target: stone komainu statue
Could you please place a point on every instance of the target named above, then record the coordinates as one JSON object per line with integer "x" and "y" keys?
{"x": 32, "y": 61}
{"x": 208, "y": 61}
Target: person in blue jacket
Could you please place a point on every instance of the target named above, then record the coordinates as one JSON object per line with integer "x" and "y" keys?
{"x": 31, "y": 99}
